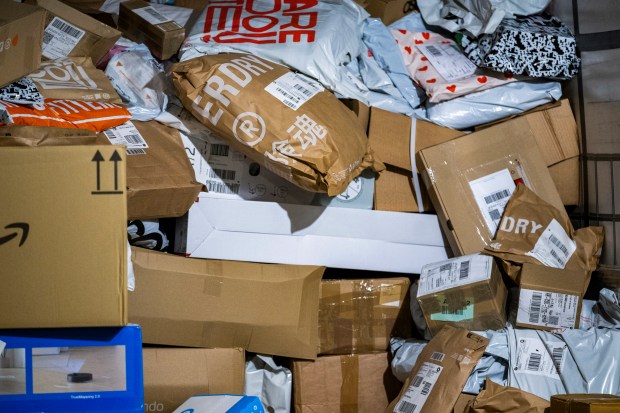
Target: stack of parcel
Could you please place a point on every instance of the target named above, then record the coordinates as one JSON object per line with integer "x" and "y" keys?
{"x": 308, "y": 206}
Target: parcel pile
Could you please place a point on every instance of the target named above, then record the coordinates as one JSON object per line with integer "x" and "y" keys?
{"x": 280, "y": 206}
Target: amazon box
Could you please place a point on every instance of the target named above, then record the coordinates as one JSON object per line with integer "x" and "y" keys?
{"x": 263, "y": 308}
{"x": 173, "y": 375}
{"x": 141, "y": 23}
{"x": 361, "y": 383}
{"x": 21, "y": 31}
{"x": 465, "y": 292}
{"x": 360, "y": 316}
{"x": 63, "y": 245}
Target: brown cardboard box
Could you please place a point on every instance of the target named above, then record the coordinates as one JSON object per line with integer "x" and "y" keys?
{"x": 21, "y": 31}
{"x": 465, "y": 292}
{"x": 470, "y": 179}
{"x": 585, "y": 403}
{"x": 361, "y": 383}
{"x": 75, "y": 33}
{"x": 264, "y": 308}
{"x": 143, "y": 24}
{"x": 550, "y": 298}
{"x": 390, "y": 135}
{"x": 360, "y": 316}
{"x": 160, "y": 179}
{"x": 63, "y": 245}
{"x": 173, "y": 375}
{"x": 440, "y": 372}
{"x": 390, "y": 10}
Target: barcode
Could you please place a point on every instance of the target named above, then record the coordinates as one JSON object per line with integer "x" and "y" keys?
{"x": 533, "y": 364}
{"x": 464, "y": 271}
{"x": 225, "y": 174}
{"x": 47, "y": 37}
{"x": 303, "y": 90}
{"x": 67, "y": 28}
{"x": 555, "y": 255}
{"x": 554, "y": 320}
{"x": 495, "y": 215}
{"x": 438, "y": 356}
{"x": 535, "y": 307}
{"x": 445, "y": 310}
{"x": 221, "y": 188}
{"x": 558, "y": 244}
{"x": 433, "y": 50}
{"x": 154, "y": 14}
{"x": 219, "y": 149}
{"x": 426, "y": 388}
{"x": 287, "y": 95}
{"x": 558, "y": 353}
{"x": 406, "y": 407}
{"x": 497, "y": 196}
{"x": 134, "y": 139}
{"x": 417, "y": 380}
{"x": 290, "y": 104}
{"x": 136, "y": 151}
{"x": 445, "y": 267}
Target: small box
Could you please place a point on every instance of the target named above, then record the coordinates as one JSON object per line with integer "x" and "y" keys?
{"x": 96, "y": 369}
{"x": 21, "y": 32}
{"x": 173, "y": 375}
{"x": 360, "y": 316}
{"x": 64, "y": 237}
{"x": 585, "y": 403}
{"x": 465, "y": 292}
{"x": 550, "y": 298}
{"x": 221, "y": 403}
{"x": 142, "y": 23}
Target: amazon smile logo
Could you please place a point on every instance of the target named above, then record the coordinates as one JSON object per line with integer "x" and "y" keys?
{"x": 19, "y": 228}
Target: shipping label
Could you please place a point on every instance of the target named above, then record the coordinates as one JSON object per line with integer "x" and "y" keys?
{"x": 294, "y": 89}
{"x": 492, "y": 193}
{"x": 419, "y": 389}
{"x": 127, "y": 134}
{"x": 535, "y": 358}
{"x": 60, "y": 38}
{"x": 455, "y": 272}
{"x": 554, "y": 247}
{"x": 448, "y": 60}
{"x": 547, "y": 309}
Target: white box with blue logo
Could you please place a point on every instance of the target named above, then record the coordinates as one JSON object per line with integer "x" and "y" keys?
{"x": 221, "y": 403}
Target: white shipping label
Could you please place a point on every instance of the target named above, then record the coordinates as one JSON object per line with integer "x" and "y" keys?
{"x": 451, "y": 273}
{"x": 420, "y": 388}
{"x": 151, "y": 15}
{"x": 448, "y": 60}
{"x": 533, "y": 357}
{"x": 492, "y": 193}
{"x": 554, "y": 247}
{"x": 60, "y": 38}
{"x": 547, "y": 309}
{"x": 294, "y": 89}
{"x": 127, "y": 134}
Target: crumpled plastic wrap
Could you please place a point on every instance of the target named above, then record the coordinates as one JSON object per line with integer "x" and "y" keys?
{"x": 271, "y": 383}
{"x": 602, "y": 313}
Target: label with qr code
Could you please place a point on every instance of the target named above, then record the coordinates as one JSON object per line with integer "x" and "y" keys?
{"x": 151, "y": 15}
{"x": 294, "y": 89}
{"x": 127, "y": 134}
{"x": 60, "y": 38}
{"x": 419, "y": 389}
{"x": 492, "y": 193}
{"x": 547, "y": 309}
{"x": 448, "y": 60}
{"x": 536, "y": 358}
{"x": 554, "y": 247}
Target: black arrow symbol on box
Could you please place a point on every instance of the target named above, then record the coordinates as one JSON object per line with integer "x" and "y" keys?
{"x": 20, "y": 225}
{"x": 116, "y": 158}
{"x": 98, "y": 158}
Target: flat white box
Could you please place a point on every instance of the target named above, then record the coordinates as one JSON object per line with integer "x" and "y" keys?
{"x": 270, "y": 232}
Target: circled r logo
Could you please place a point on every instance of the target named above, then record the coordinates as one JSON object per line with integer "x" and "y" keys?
{"x": 249, "y": 128}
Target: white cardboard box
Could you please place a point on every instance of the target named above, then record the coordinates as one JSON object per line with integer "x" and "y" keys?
{"x": 270, "y": 232}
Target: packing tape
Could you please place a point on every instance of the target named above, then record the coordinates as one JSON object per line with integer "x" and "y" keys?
{"x": 414, "y": 168}
{"x": 349, "y": 390}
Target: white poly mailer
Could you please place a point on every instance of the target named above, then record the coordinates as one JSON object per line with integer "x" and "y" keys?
{"x": 271, "y": 383}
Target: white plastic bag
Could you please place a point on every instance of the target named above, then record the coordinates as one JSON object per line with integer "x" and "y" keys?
{"x": 269, "y": 382}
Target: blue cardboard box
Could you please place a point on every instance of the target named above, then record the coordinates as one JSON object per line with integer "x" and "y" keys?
{"x": 72, "y": 370}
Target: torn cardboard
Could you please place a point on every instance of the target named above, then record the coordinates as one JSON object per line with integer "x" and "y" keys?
{"x": 360, "y": 316}
{"x": 275, "y": 308}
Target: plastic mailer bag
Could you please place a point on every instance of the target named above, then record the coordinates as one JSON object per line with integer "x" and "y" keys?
{"x": 318, "y": 38}
{"x": 140, "y": 81}
{"x": 271, "y": 383}
{"x": 23, "y": 91}
{"x": 405, "y": 353}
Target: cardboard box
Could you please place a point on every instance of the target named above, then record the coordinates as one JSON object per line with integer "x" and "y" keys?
{"x": 360, "y": 383}
{"x": 585, "y": 403}
{"x": 69, "y": 32}
{"x": 309, "y": 235}
{"x": 173, "y": 375}
{"x": 360, "y": 316}
{"x": 470, "y": 180}
{"x": 64, "y": 239}
{"x": 550, "y": 298}
{"x": 96, "y": 369}
{"x": 160, "y": 179}
{"x": 21, "y": 31}
{"x": 390, "y": 10}
{"x": 141, "y": 23}
{"x": 222, "y": 403}
{"x": 269, "y": 309}
{"x": 465, "y": 292}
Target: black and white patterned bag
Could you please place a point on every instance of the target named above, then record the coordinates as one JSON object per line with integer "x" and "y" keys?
{"x": 22, "y": 92}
